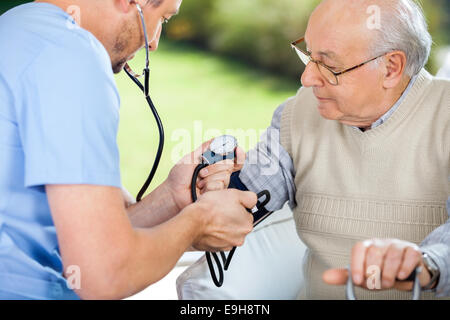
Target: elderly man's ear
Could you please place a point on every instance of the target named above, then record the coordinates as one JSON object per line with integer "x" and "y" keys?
{"x": 394, "y": 69}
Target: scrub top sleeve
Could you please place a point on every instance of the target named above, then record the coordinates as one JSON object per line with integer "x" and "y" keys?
{"x": 68, "y": 119}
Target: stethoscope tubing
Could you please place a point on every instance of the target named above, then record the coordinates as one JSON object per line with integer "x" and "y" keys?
{"x": 145, "y": 89}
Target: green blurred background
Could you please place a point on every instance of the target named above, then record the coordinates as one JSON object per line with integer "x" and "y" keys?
{"x": 222, "y": 65}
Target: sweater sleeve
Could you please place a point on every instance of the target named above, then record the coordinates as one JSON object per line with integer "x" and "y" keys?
{"x": 269, "y": 167}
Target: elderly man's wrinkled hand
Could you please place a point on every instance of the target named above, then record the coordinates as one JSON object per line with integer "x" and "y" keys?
{"x": 217, "y": 177}
{"x": 381, "y": 264}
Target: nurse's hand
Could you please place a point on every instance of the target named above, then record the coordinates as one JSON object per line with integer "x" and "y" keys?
{"x": 226, "y": 221}
{"x": 213, "y": 178}
{"x": 380, "y": 263}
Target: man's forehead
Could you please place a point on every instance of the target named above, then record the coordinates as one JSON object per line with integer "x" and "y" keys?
{"x": 324, "y": 46}
{"x": 176, "y": 7}
{"x": 174, "y": 12}
{"x": 171, "y": 7}
{"x": 336, "y": 39}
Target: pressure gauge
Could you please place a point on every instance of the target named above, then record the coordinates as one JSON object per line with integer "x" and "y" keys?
{"x": 223, "y": 145}
{"x": 221, "y": 148}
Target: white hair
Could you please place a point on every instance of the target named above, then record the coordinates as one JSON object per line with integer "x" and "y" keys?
{"x": 403, "y": 27}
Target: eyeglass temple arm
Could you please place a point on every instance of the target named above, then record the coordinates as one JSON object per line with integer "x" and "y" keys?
{"x": 355, "y": 67}
{"x": 298, "y": 41}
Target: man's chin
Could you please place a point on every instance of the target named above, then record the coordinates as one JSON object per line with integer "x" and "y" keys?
{"x": 118, "y": 67}
{"x": 328, "y": 111}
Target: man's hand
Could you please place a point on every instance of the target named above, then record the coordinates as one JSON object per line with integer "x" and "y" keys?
{"x": 214, "y": 177}
{"x": 394, "y": 259}
{"x": 225, "y": 220}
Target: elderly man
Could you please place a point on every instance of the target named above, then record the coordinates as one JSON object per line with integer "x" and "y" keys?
{"x": 362, "y": 153}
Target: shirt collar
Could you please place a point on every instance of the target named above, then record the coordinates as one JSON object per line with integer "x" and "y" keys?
{"x": 389, "y": 113}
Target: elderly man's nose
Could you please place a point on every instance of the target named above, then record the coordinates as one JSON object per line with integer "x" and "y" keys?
{"x": 311, "y": 77}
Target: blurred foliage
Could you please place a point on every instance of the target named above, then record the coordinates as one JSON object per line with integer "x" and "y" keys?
{"x": 8, "y": 4}
{"x": 198, "y": 96}
{"x": 259, "y": 31}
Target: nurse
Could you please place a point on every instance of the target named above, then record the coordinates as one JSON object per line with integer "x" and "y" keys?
{"x": 65, "y": 231}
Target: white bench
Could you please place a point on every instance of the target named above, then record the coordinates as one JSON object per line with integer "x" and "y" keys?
{"x": 267, "y": 267}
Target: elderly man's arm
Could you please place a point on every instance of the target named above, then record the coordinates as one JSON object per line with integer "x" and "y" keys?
{"x": 437, "y": 246}
{"x": 269, "y": 167}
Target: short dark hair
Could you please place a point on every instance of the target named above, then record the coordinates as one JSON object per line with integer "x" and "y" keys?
{"x": 155, "y": 3}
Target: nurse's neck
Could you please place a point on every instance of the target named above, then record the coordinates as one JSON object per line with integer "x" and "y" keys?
{"x": 99, "y": 17}
{"x": 94, "y": 16}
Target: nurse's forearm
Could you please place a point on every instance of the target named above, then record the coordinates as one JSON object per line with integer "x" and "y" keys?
{"x": 139, "y": 257}
{"x": 155, "y": 252}
{"x": 154, "y": 209}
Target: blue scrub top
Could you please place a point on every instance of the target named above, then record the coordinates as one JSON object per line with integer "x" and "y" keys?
{"x": 59, "y": 114}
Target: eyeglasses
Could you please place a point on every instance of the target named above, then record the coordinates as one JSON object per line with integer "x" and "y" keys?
{"x": 331, "y": 76}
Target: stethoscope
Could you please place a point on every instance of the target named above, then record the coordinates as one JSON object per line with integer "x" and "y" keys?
{"x": 145, "y": 89}
{"x": 221, "y": 148}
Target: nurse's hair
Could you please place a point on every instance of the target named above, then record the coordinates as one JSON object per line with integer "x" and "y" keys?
{"x": 155, "y": 3}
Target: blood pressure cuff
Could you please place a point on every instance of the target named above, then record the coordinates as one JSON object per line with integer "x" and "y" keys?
{"x": 277, "y": 248}
{"x": 236, "y": 183}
